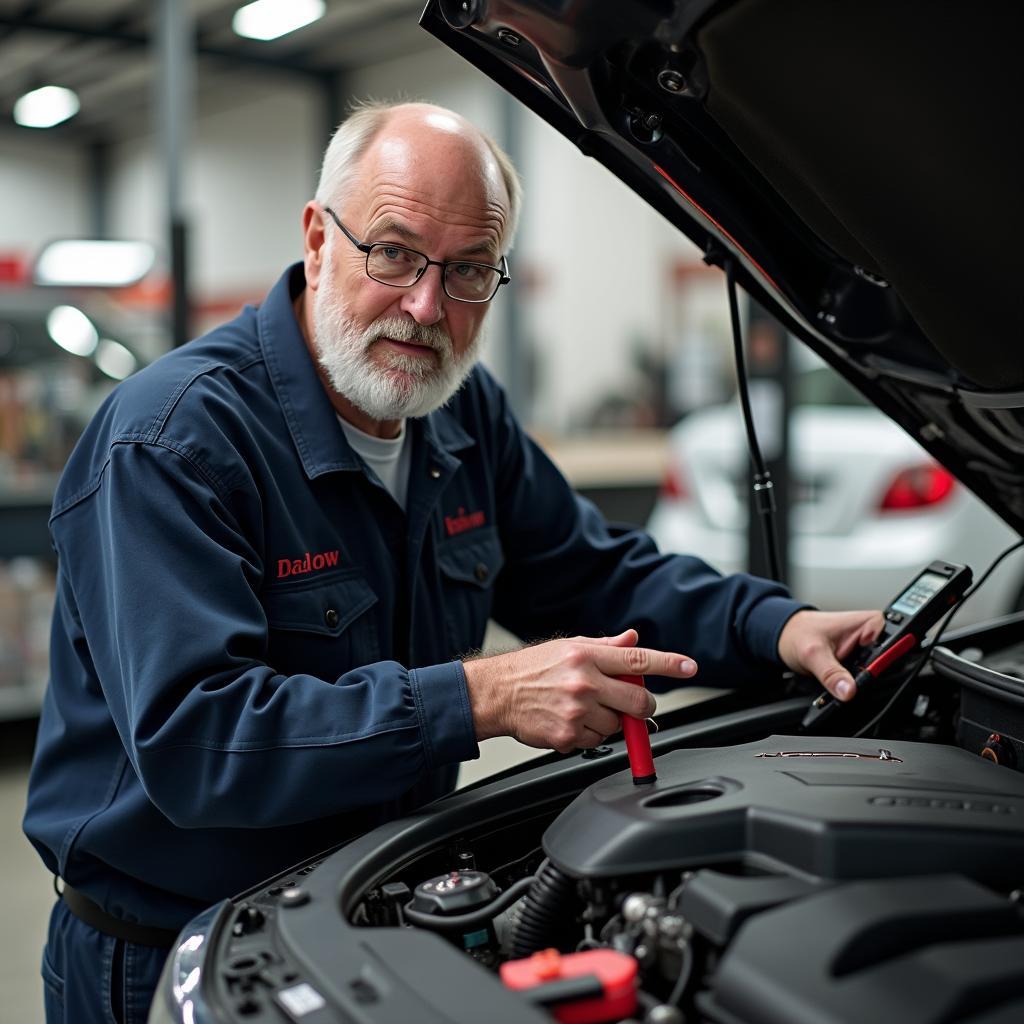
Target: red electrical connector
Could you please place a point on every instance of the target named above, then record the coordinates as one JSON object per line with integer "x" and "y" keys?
{"x": 577, "y": 988}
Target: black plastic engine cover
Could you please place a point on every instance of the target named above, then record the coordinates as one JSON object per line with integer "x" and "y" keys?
{"x": 823, "y": 807}
{"x": 914, "y": 950}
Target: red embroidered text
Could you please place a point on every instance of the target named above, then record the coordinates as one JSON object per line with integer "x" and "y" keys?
{"x": 310, "y": 563}
{"x": 463, "y": 521}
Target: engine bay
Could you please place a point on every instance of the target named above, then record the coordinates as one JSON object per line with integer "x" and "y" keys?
{"x": 857, "y": 855}
{"x": 846, "y": 859}
{"x": 764, "y": 877}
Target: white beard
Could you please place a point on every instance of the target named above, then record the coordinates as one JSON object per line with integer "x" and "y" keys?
{"x": 405, "y": 385}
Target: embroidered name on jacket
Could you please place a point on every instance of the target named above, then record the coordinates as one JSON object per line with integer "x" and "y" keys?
{"x": 463, "y": 521}
{"x": 310, "y": 563}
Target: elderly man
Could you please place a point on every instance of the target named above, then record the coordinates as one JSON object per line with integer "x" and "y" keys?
{"x": 278, "y": 544}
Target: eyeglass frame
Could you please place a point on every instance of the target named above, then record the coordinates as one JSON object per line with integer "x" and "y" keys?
{"x": 368, "y": 247}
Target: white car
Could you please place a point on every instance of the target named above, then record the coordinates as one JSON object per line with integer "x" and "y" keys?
{"x": 869, "y": 507}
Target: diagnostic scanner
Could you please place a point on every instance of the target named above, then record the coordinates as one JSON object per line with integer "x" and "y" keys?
{"x": 908, "y": 617}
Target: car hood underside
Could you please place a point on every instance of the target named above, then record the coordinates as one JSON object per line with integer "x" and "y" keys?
{"x": 854, "y": 160}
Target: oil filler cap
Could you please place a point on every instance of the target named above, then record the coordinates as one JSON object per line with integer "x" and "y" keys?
{"x": 578, "y": 988}
{"x": 455, "y": 893}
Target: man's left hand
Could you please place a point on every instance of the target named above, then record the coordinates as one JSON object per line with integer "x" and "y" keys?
{"x": 814, "y": 643}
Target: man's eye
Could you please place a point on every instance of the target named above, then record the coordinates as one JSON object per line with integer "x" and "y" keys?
{"x": 394, "y": 253}
{"x": 467, "y": 271}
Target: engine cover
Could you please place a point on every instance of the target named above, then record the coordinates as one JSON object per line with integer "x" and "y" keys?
{"x": 817, "y": 807}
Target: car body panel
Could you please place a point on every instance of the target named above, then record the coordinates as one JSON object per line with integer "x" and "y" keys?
{"x": 845, "y": 551}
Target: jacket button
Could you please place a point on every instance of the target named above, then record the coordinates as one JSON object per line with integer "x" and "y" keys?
{"x": 435, "y": 473}
{"x": 331, "y": 617}
{"x": 481, "y": 572}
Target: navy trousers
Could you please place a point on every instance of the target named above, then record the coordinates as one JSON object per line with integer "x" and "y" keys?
{"x": 92, "y": 978}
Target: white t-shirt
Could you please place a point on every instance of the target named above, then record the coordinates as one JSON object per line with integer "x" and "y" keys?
{"x": 388, "y": 457}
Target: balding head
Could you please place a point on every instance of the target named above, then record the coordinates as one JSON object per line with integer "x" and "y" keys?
{"x": 401, "y": 184}
{"x": 431, "y": 142}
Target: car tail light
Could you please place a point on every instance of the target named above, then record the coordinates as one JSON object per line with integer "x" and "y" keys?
{"x": 918, "y": 487}
{"x": 673, "y": 486}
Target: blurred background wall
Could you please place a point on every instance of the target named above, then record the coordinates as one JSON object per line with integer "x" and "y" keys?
{"x": 594, "y": 266}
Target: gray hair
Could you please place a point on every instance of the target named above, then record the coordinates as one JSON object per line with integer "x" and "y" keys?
{"x": 353, "y": 137}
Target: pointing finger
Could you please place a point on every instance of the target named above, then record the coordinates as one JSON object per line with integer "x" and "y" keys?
{"x": 642, "y": 661}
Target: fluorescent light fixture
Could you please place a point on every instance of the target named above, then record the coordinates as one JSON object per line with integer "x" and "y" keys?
{"x": 115, "y": 360}
{"x": 81, "y": 262}
{"x": 72, "y": 330}
{"x": 45, "y": 107}
{"x": 270, "y": 19}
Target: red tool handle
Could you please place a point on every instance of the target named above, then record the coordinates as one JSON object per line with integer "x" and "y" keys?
{"x": 638, "y": 743}
{"x": 891, "y": 654}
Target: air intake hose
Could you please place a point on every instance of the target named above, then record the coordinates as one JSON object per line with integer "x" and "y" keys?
{"x": 545, "y": 914}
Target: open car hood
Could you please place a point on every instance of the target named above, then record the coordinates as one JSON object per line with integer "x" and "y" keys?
{"x": 854, "y": 159}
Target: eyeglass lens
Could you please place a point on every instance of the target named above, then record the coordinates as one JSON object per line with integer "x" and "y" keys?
{"x": 391, "y": 264}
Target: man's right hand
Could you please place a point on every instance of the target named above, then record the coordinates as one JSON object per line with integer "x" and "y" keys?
{"x": 564, "y": 694}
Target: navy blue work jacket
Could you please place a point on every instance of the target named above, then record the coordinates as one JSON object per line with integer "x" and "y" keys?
{"x": 255, "y": 651}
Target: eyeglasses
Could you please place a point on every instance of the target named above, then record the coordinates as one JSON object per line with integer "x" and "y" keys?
{"x": 399, "y": 267}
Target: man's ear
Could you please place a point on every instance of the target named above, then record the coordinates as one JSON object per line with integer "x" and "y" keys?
{"x": 314, "y": 238}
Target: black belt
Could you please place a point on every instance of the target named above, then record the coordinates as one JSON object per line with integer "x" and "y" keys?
{"x": 96, "y": 917}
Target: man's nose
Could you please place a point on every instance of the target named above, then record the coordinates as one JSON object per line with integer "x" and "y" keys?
{"x": 424, "y": 301}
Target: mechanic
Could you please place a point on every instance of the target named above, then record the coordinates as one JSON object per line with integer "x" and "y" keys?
{"x": 279, "y": 545}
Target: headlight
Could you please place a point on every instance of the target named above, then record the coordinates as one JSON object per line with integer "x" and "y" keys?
{"x": 179, "y": 997}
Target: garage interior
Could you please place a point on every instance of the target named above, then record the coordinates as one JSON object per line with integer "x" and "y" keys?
{"x": 203, "y": 145}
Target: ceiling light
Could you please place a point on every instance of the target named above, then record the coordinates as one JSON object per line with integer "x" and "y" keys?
{"x": 115, "y": 360}
{"x": 72, "y": 330}
{"x": 80, "y": 262}
{"x": 45, "y": 107}
{"x": 270, "y": 19}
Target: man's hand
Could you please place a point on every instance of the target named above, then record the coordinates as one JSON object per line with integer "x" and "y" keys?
{"x": 563, "y": 694}
{"x": 813, "y": 643}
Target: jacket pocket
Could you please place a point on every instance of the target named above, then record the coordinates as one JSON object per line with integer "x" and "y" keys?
{"x": 469, "y": 568}
{"x": 323, "y": 627}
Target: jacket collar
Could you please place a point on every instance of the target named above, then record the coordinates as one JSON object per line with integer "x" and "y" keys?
{"x": 312, "y": 421}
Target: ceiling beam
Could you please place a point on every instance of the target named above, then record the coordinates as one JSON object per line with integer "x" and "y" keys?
{"x": 29, "y": 9}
